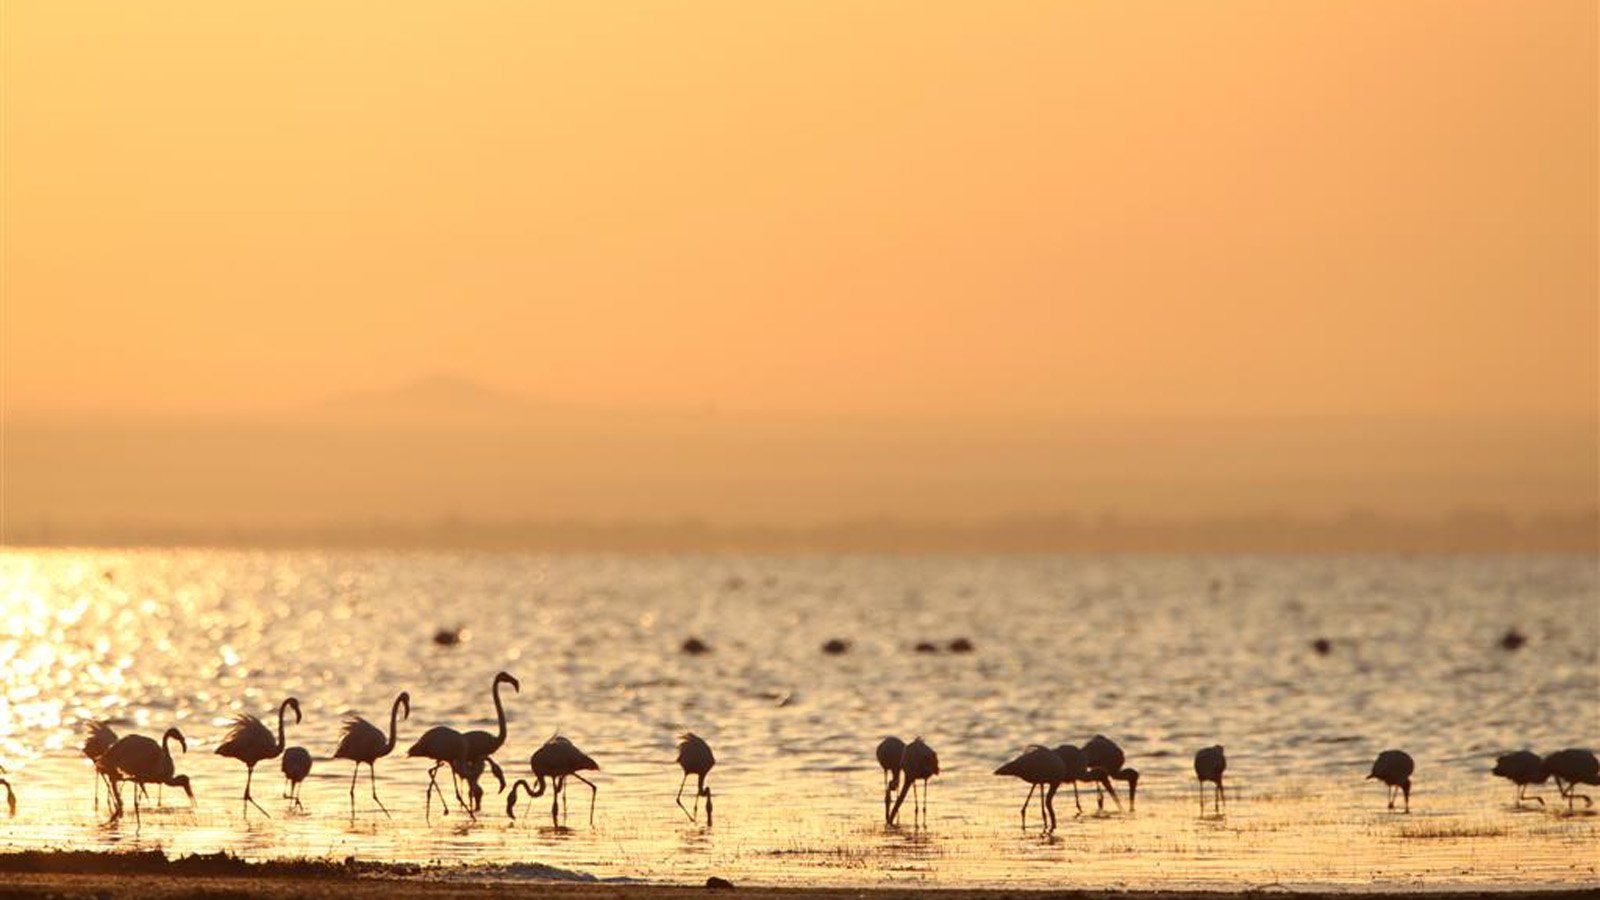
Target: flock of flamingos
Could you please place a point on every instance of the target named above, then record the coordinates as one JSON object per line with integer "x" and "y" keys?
{"x": 142, "y": 761}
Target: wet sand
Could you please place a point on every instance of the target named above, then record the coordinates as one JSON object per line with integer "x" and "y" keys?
{"x": 151, "y": 875}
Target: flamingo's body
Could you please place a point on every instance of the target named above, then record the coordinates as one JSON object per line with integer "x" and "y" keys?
{"x": 446, "y": 747}
{"x": 1106, "y": 760}
{"x": 361, "y": 742}
{"x": 918, "y": 763}
{"x": 296, "y": 766}
{"x": 557, "y": 760}
{"x": 1044, "y": 771}
{"x": 1394, "y": 768}
{"x": 1522, "y": 768}
{"x": 142, "y": 761}
{"x": 695, "y": 758}
{"x": 1209, "y": 764}
{"x": 97, "y": 739}
{"x": 1570, "y": 768}
{"x": 251, "y": 742}
{"x": 890, "y": 751}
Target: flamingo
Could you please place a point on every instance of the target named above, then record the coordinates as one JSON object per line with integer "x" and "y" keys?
{"x": 890, "y": 751}
{"x": 1078, "y": 772}
{"x": 471, "y": 771}
{"x": 1209, "y": 764}
{"x": 696, "y": 758}
{"x": 1394, "y": 768}
{"x": 142, "y": 761}
{"x": 1572, "y": 767}
{"x": 97, "y": 739}
{"x": 918, "y": 763}
{"x": 1040, "y": 767}
{"x": 1106, "y": 759}
{"x": 446, "y": 747}
{"x": 250, "y": 742}
{"x": 1522, "y": 768}
{"x": 481, "y": 744}
{"x": 296, "y": 766}
{"x": 556, "y": 760}
{"x": 361, "y": 742}
{"x": 11, "y": 797}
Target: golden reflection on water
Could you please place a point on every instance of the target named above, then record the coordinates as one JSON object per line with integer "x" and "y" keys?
{"x": 1146, "y": 650}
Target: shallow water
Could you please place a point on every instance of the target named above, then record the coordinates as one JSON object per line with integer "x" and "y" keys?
{"x": 1164, "y": 655}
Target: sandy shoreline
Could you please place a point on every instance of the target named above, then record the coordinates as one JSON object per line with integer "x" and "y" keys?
{"x": 151, "y": 875}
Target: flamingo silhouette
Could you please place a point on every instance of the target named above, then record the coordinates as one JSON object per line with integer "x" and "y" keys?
{"x": 11, "y": 796}
{"x": 296, "y": 766}
{"x": 361, "y": 742}
{"x": 481, "y": 744}
{"x": 446, "y": 747}
{"x": 918, "y": 763}
{"x": 1394, "y": 768}
{"x": 557, "y": 760}
{"x": 1570, "y": 768}
{"x": 1041, "y": 768}
{"x": 142, "y": 761}
{"x": 890, "y": 751}
{"x": 1106, "y": 760}
{"x": 251, "y": 742}
{"x": 1209, "y": 764}
{"x": 97, "y": 739}
{"x": 1522, "y": 768}
{"x": 1078, "y": 772}
{"x": 696, "y": 758}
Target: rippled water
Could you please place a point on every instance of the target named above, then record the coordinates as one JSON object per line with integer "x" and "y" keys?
{"x": 1165, "y": 655}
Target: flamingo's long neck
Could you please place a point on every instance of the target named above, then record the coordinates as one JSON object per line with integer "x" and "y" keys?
{"x": 394, "y": 719}
{"x": 281, "y": 709}
{"x": 500, "y": 713}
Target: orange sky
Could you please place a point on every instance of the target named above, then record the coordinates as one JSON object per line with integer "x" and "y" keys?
{"x": 1085, "y": 208}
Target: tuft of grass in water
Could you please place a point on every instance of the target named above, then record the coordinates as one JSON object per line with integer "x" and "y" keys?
{"x": 1443, "y": 830}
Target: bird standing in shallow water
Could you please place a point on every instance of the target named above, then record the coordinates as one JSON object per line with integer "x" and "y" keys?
{"x": 1522, "y": 768}
{"x": 1106, "y": 759}
{"x": 1044, "y": 771}
{"x": 361, "y": 742}
{"x": 1394, "y": 768}
{"x": 251, "y": 742}
{"x": 557, "y": 760}
{"x": 97, "y": 739}
{"x": 1570, "y": 768}
{"x": 1209, "y": 764}
{"x": 296, "y": 766}
{"x": 142, "y": 761}
{"x": 446, "y": 747}
{"x": 918, "y": 763}
{"x": 696, "y": 758}
{"x": 890, "y": 751}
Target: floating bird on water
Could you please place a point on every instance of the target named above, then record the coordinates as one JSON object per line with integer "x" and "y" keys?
{"x": 918, "y": 763}
{"x": 1105, "y": 758}
{"x": 1044, "y": 771}
{"x": 1522, "y": 768}
{"x": 696, "y": 758}
{"x": 1570, "y": 768}
{"x": 1394, "y": 768}
{"x": 836, "y": 646}
{"x": 446, "y": 747}
{"x": 890, "y": 751}
{"x": 142, "y": 761}
{"x": 11, "y": 796}
{"x": 360, "y": 741}
{"x": 1209, "y": 764}
{"x": 251, "y": 742}
{"x": 296, "y": 766}
{"x": 694, "y": 647}
{"x": 557, "y": 760}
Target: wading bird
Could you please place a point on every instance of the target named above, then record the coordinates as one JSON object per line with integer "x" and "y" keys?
{"x": 97, "y": 739}
{"x": 1106, "y": 759}
{"x": 1522, "y": 768}
{"x": 1570, "y": 768}
{"x": 557, "y": 760}
{"x": 11, "y": 797}
{"x": 1042, "y": 769}
{"x": 1078, "y": 772}
{"x": 251, "y": 742}
{"x": 1209, "y": 764}
{"x": 142, "y": 761}
{"x": 482, "y": 744}
{"x": 446, "y": 747}
{"x": 1394, "y": 768}
{"x": 296, "y": 766}
{"x": 918, "y": 763}
{"x": 890, "y": 751}
{"x": 696, "y": 758}
{"x": 360, "y": 742}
